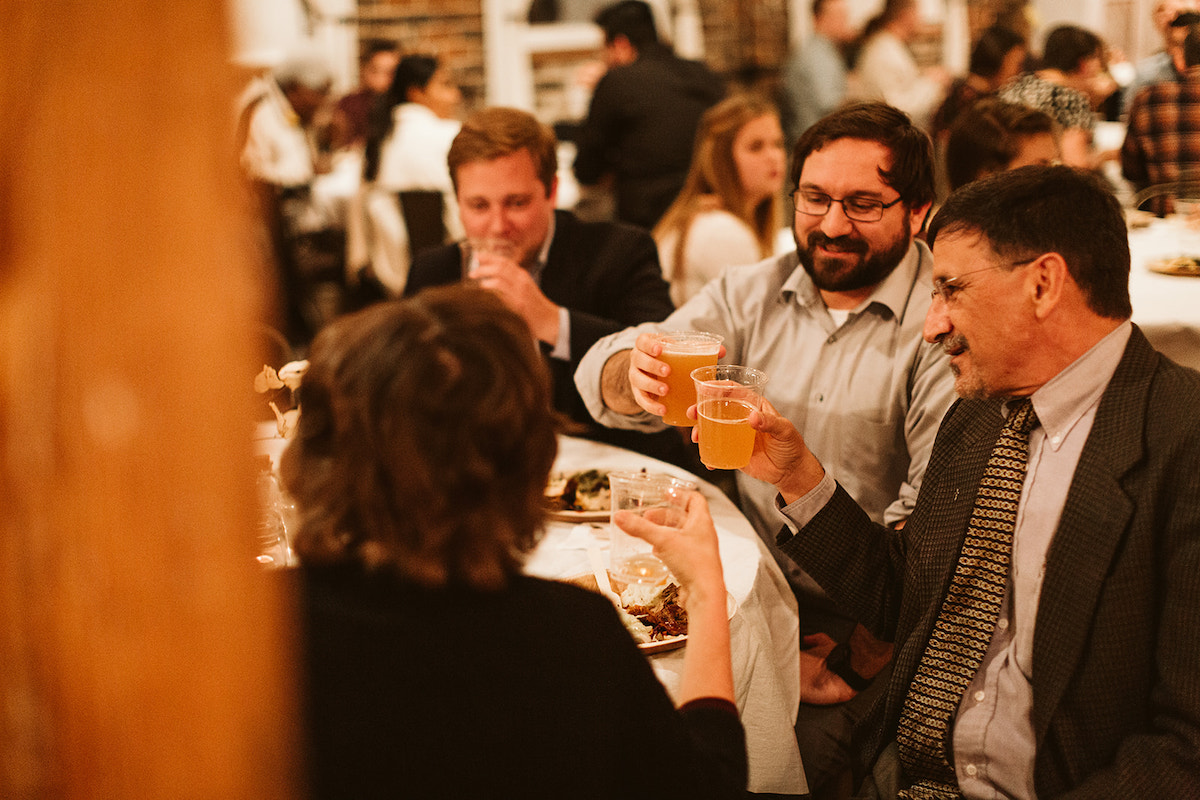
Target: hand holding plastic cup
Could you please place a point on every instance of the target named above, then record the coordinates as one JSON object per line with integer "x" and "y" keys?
{"x": 660, "y": 498}
{"x": 684, "y": 351}
{"x": 725, "y": 396}
{"x": 473, "y": 248}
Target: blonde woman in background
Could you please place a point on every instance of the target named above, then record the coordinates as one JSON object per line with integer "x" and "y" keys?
{"x": 728, "y": 210}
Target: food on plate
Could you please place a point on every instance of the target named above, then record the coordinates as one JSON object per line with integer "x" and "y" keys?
{"x": 662, "y": 615}
{"x": 1178, "y": 265}
{"x": 651, "y": 614}
{"x": 578, "y": 491}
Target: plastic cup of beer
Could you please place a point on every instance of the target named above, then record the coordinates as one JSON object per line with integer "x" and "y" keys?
{"x": 684, "y": 351}
{"x": 658, "y": 497}
{"x": 725, "y": 396}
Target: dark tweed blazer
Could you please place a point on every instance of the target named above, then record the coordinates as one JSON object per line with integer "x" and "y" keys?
{"x": 608, "y": 277}
{"x": 1116, "y": 653}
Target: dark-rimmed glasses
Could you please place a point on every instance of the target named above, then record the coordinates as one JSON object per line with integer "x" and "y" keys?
{"x": 945, "y": 289}
{"x": 859, "y": 209}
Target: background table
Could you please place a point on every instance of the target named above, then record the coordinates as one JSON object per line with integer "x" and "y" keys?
{"x": 1166, "y": 307}
{"x": 764, "y": 631}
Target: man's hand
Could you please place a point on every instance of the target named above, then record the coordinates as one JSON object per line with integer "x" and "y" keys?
{"x": 645, "y": 373}
{"x": 632, "y": 379}
{"x": 519, "y": 292}
{"x": 780, "y": 456}
{"x": 819, "y": 686}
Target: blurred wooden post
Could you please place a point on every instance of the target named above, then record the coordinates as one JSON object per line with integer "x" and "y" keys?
{"x": 142, "y": 652}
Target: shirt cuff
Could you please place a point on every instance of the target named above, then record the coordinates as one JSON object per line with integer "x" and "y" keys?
{"x": 801, "y": 511}
{"x": 562, "y": 345}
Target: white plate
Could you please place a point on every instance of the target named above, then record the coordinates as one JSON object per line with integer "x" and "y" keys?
{"x": 588, "y": 581}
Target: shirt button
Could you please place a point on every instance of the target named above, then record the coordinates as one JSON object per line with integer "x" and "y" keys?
{"x": 1002, "y": 624}
{"x": 971, "y": 770}
{"x": 980, "y": 695}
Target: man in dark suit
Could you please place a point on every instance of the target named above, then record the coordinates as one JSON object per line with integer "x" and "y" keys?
{"x": 573, "y": 282}
{"x": 1079, "y": 529}
{"x": 642, "y": 119}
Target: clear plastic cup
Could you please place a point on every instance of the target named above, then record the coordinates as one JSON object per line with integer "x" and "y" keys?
{"x": 725, "y": 396}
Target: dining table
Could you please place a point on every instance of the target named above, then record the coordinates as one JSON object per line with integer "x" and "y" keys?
{"x": 764, "y": 626}
{"x": 1166, "y": 307}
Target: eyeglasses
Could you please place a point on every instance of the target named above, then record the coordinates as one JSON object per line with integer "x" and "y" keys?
{"x": 945, "y": 289}
{"x": 859, "y": 209}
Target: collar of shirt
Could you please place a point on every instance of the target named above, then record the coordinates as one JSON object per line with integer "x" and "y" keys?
{"x": 409, "y": 111}
{"x": 276, "y": 95}
{"x": 1064, "y": 399}
{"x": 891, "y": 296}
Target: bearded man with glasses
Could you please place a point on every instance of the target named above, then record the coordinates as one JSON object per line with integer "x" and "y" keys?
{"x": 837, "y": 328}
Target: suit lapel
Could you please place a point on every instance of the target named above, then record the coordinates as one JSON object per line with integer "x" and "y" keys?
{"x": 1094, "y": 520}
{"x": 556, "y": 281}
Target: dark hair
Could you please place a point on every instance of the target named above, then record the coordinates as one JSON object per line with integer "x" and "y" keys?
{"x": 413, "y": 72}
{"x": 1029, "y": 211}
{"x": 1184, "y": 19}
{"x": 1191, "y": 46}
{"x": 495, "y": 132}
{"x": 911, "y": 173}
{"x": 987, "y": 136}
{"x": 987, "y": 56}
{"x": 425, "y": 440}
{"x": 369, "y": 48}
{"x": 1068, "y": 45}
{"x": 632, "y": 19}
{"x": 891, "y": 9}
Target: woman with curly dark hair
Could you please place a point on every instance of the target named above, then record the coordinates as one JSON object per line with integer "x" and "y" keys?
{"x": 434, "y": 667}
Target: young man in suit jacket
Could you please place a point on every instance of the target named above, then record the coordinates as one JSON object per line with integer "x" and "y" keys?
{"x": 1088, "y": 679}
{"x": 572, "y": 282}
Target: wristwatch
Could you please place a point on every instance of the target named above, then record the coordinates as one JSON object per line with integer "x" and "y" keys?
{"x": 838, "y": 662}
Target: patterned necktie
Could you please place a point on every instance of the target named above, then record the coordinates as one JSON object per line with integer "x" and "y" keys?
{"x": 964, "y": 626}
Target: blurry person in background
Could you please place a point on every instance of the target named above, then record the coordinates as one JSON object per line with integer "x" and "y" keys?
{"x": 409, "y": 134}
{"x": 997, "y": 57}
{"x": 303, "y": 223}
{"x": 375, "y": 67}
{"x": 642, "y": 119}
{"x": 886, "y": 70}
{"x": 1065, "y": 87}
{"x": 278, "y": 121}
{"x": 1162, "y": 141}
{"x": 728, "y": 211}
{"x": 814, "y": 78}
{"x": 994, "y": 136}
{"x": 432, "y": 667}
{"x": 1172, "y": 18}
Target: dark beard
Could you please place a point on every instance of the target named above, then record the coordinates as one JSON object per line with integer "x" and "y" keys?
{"x": 873, "y": 270}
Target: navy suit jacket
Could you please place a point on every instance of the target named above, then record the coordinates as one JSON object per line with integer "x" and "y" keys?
{"x": 1116, "y": 653}
{"x": 608, "y": 277}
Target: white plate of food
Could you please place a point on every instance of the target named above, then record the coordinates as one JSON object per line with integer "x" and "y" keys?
{"x": 581, "y": 496}
{"x": 659, "y": 623}
{"x": 1176, "y": 265}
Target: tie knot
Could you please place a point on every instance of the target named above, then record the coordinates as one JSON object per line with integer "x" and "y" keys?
{"x": 1021, "y": 416}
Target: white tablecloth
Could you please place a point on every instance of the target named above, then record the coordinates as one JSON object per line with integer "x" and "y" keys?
{"x": 1166, "y": 307}
{"x": 764, "y": 630}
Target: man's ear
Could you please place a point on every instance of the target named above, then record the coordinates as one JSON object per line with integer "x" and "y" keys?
{"x": 1046, "y": 281}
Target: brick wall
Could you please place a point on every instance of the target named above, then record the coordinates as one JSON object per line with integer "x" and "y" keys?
{"x": 745, "y": 41}
{"x": 450, "y": 29}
